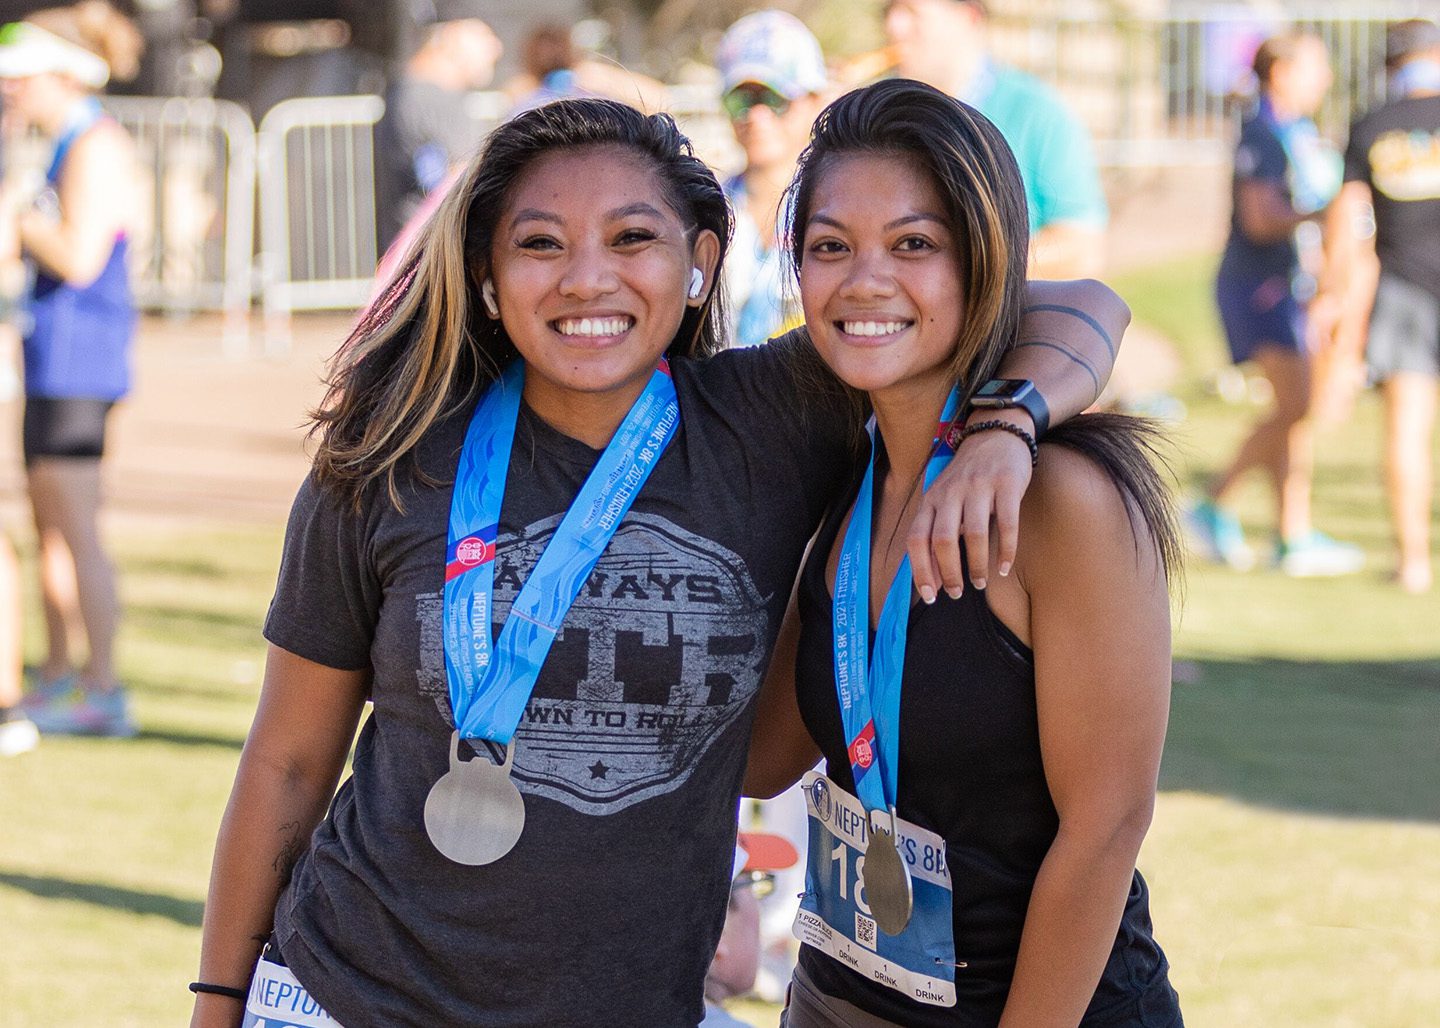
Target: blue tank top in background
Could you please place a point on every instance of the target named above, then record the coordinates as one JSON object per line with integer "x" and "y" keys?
{"x": 78, "y": 344}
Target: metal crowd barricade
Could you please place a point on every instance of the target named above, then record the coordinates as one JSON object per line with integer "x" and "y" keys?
{"x": 192, "y": 251}
{"x": 317, "y": 206}
{"x": 1161, "y": 91}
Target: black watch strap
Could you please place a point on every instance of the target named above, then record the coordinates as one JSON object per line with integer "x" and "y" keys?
{"x": 1000, "y": 393}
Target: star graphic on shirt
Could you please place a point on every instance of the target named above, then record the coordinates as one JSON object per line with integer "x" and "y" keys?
{"x": 598, "y": 770}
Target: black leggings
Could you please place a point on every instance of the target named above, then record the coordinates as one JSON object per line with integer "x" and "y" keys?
{"x": 64, "y": 426}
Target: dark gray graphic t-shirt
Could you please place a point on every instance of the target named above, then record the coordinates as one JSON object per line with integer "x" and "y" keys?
{"x": 631, "y": 750}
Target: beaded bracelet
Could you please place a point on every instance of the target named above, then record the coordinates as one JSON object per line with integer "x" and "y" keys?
{"x": 959, "y": 435}
{"x": 219, "y": 990}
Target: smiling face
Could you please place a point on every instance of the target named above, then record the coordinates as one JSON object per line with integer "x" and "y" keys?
{"x": 592, "y": 269}
{"x": 881, "y": 278}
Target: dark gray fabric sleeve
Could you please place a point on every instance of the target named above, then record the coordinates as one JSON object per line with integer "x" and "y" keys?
{"x": 327, "y": 599}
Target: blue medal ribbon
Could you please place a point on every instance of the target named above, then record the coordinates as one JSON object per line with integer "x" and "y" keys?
{"x": 490, "y": 685}
{"x": 867, "y": 685}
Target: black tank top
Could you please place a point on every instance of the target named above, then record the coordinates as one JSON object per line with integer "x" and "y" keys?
{"x": 970, "y": 770}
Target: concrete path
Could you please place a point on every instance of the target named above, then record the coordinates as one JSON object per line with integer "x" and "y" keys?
{"x": 203, "y": 437}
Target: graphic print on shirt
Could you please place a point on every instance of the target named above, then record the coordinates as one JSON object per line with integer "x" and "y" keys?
{"x": 1405, "y": 165}
{"x": 660, "y": 653}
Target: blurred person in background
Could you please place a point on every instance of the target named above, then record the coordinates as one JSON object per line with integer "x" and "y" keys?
{"x": 942, "y": 43}
{"x": 555, "y": 67}
{"x": 426, "y": 133}
{"x": 18, "y": 733}
{"x": 1392, "y": 162}
{"x": 77, "y": 343}
{"x": 1284, "y": 178}
{"x": 758, "y": 856}
{"x": 773, "y": 80}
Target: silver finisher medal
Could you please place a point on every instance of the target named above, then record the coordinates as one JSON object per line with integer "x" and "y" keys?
{"x": 474, "y": 814}
{"x": 887, "y": 877}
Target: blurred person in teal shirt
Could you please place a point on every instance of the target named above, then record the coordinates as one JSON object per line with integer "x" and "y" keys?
{"x": 942, "y": 43}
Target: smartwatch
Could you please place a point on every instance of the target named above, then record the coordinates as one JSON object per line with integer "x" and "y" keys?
{"x": 999, "y": 393}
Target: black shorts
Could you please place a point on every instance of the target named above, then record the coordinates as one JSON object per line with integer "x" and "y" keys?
{"x": 64, "y": 426}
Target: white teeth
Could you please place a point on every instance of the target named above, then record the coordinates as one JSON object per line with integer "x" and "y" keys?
{"x": 872, "y": 328}
{"x": 593, "y": 327}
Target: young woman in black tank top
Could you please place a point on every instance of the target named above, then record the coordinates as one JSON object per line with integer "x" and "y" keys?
{"x": 1032, "y": 712}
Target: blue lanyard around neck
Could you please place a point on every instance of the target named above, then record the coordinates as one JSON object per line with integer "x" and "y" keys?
{"x": 1315, "y": 171}
{"x": 869, "y": 685}
{"x": 490, "y": 685}
{"x": 84, "y": 114}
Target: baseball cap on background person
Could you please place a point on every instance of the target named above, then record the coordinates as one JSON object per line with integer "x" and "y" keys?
{"x": 759, "y": 853}
{"x": 771, "y": 49}
{"x": 1405, "y": 39}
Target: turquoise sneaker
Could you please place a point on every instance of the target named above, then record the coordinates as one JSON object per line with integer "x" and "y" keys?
{"x": 46, "y": 692}
{"x": 1215, "y": 535}
{"x": 1316, "y": 555}
{"x": 89, "y": 713}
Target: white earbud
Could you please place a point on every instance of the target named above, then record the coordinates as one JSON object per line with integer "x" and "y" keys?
{"x": 697, "y": 283}
{"x": 487, "y": 297}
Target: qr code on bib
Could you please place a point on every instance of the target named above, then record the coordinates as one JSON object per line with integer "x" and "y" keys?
{"x": 864, "y": 930}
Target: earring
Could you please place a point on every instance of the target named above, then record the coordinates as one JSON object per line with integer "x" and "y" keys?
{"x": 697, "y": 283}
{"x": 487, "y": 297}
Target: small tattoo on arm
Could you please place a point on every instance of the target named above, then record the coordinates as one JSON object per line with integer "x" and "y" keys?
{"x": 1067, "y": 352}
{"x": 1076, "y": 312}
{"x": 290, "y": 849}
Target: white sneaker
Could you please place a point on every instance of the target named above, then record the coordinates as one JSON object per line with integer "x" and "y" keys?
{"x": 18, "y": 733}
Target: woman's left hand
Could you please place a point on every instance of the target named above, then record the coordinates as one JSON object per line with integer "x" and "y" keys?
{"x": 984, "y": 483}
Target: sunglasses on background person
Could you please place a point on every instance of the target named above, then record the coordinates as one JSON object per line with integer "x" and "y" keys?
{"x": 762, "y": 883}
{"x": 738, "y": 101}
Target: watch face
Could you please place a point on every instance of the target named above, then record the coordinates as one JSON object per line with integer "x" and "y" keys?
{"x": 1003, "y": 388}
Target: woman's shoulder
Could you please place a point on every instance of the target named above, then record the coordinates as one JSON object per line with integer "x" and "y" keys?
{"x": 105, "y": 140}
{"x": 1075, "y": 500}
{"x": 1068, "y": 489}
{"x": 1098, "y": 489}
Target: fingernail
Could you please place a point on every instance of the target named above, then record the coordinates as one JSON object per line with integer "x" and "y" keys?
{"x": 955, "y": 593}
{"x": 927, "y": 594}
{"x": 978, "y": 583}
{"x": 1004, "y": 568}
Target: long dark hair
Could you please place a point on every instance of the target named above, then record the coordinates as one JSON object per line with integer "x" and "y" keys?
{"x": 975, "y": 173}
{"x": 425, "y": 348}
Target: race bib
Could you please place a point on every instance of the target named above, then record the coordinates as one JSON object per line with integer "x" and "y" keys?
{"x": 835, "y": 918}
{"x": 277, "y": 1000}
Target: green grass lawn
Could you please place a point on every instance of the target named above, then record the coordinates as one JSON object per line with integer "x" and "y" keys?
{"x": 1293, "y": 861}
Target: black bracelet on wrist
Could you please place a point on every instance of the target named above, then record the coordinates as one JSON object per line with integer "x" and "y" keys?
{"x": 220, "y": 990}
{"x": 958, "y": 435}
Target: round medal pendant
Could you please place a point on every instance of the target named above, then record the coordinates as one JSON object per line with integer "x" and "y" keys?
{"x": 887, "y": 877}
{"x": 474, "y": 814}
